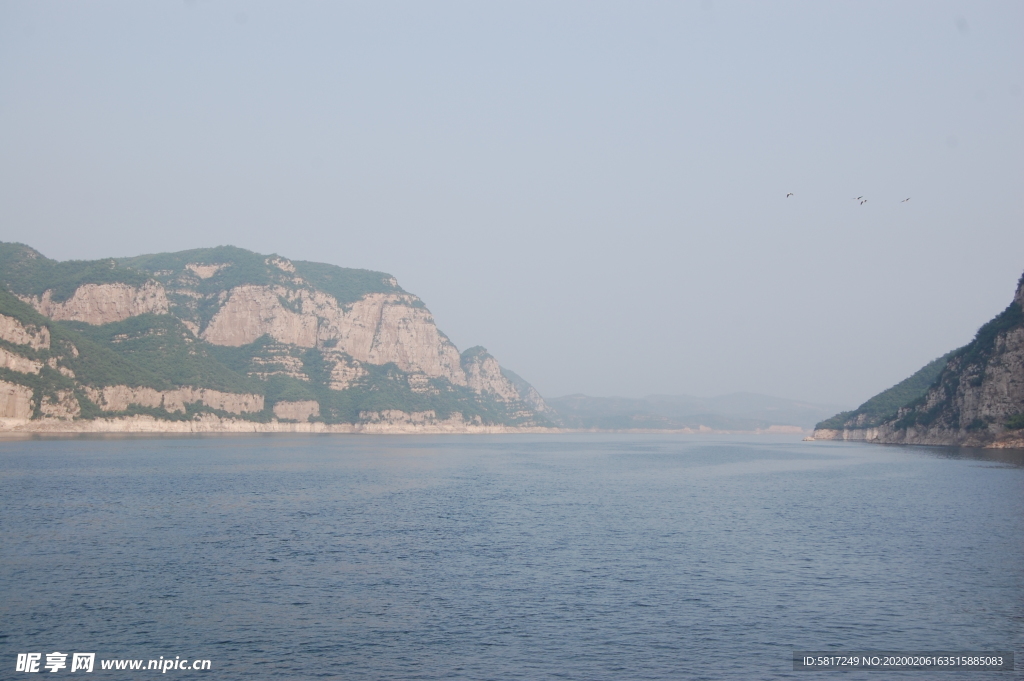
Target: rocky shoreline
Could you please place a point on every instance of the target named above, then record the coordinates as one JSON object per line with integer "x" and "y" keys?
{"x": 209, "y": 423}
{"x": 383, "y": 424}
{"x": 913, "y": 436}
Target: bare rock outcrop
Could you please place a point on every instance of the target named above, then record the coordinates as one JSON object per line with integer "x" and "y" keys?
{"x": 54, "y": 363}
{"x": 282, "y": 264}
{"x": 254, "y": 311}
{"x": 13, "y": 331}
{"x": 394, "y": 416}
{"x": 120, "y": 397}
{"x": 529, "y": 395}
{"x": 15, "y": 362}
{"x": 103, "y": 303}
{"x": 378, "y": 328}
{"x": 15, "y": 401}
{"x": 344, "y": 370}
{"x": 63, "y": 405}
{"x": 277, "y": 360}
{"x": 205, "y": 271}
{"x": 390, "y": 327}
{"x": 233, "y": 403}
{"x": 297, "y": 410}
{"x": 483, "y": 374}
{"x": 420, "y": 383}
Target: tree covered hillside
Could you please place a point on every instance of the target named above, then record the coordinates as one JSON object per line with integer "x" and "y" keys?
{"x": 173, "y": 335}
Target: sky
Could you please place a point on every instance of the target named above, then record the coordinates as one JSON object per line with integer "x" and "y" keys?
{"x": 595, "y": 191}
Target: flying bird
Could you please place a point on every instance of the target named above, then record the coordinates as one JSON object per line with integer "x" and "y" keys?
{"x": 905, "y": 200}
{"x": 789, "y": 195}
{"x": 858, "y": 198}
{"x": 863, "y": 202}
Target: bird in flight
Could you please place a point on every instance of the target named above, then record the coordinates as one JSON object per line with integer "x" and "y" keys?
{"x": 905, "y": 200}
{"x": 858, "y": 198}
{"x": 789, "y": 195}
{"x": 863, "y": 202}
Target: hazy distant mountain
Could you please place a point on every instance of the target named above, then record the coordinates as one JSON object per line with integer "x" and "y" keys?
{"x": 224, "y": 338}
{"x": 738, "y": 411}
{"x": 973, "y": 396}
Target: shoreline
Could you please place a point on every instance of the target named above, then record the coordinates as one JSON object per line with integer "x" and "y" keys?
{"x": 211, "y": 424}
{"x": 883, "y": 435}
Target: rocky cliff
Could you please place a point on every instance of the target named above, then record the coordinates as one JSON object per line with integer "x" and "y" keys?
{"x": 102, "y": 303}
{"x": 229, "y": 334}
{"x": 976, "y": 397}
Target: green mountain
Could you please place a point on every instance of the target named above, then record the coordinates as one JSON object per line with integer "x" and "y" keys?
{"x": 973, "y": 396}
{"x": 885, "y": 404}
{"x": 224, "y": 338}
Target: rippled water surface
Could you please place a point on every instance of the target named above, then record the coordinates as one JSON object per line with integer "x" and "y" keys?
{"x": 505, "y": 557}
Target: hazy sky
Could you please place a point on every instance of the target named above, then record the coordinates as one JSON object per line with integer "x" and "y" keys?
{"x": 595, "y": 191}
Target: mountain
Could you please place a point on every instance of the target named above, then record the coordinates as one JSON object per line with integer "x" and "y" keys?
{"x": 227, "y": 339}
{"x": 973, "y": 396}
{"x": 885, "y": 404}
{"x": 738, "y": 411}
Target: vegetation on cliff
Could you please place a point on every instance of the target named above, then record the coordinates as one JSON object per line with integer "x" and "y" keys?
{"x": 966, "y": 369}
{"x": 972, "y": 396}
{"x": 885, "y": 404}
{"x": 24, "y": 270}
{"x": 349, "y": 340}
{"x": 238, "y": 267}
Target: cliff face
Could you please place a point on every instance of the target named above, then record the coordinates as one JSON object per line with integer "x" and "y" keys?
{"x": 383, "y": 328}
{"x": 252, "y": 311}
{"x": 15, "y": 401}
{"x": 121, "y": 397}
{"x": 13, "y": 331}
{"x": 976, "y": 400}
{"x": 15, "y": 362}
{"x": 230, "y": 332}
{"x": 483, "y": 374}
{"x": 103, "y": 303}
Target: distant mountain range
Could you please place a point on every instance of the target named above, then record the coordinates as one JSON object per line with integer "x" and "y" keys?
{"x": 227, "y": 339}
{"x": 735, "y": 412}
{"x": 973, "y": 396}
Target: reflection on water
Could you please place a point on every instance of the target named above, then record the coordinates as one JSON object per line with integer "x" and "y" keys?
{"x": 581, "y": 557}
{"x": 1009, "y": 457}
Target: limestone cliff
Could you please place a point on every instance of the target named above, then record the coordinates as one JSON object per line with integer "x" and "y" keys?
{"x": 13, "y": 331}
{"x": 377, "y": 329}
{"x": 15, "y": 401}
{"x": 103, "y": 303}
{"x": 977, "y": 399}
{"x": 299, "y": 410}
{"x": 483, "y": 374}
{"x": 16, "y": 362}
{"x": 252, "y": 311}
{"x": 121, "y": 397}
{"x": 224, "y": 331}
{"x": 61, "y": 405}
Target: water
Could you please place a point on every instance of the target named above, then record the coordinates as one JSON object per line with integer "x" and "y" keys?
{"x": 505, "y": 557}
